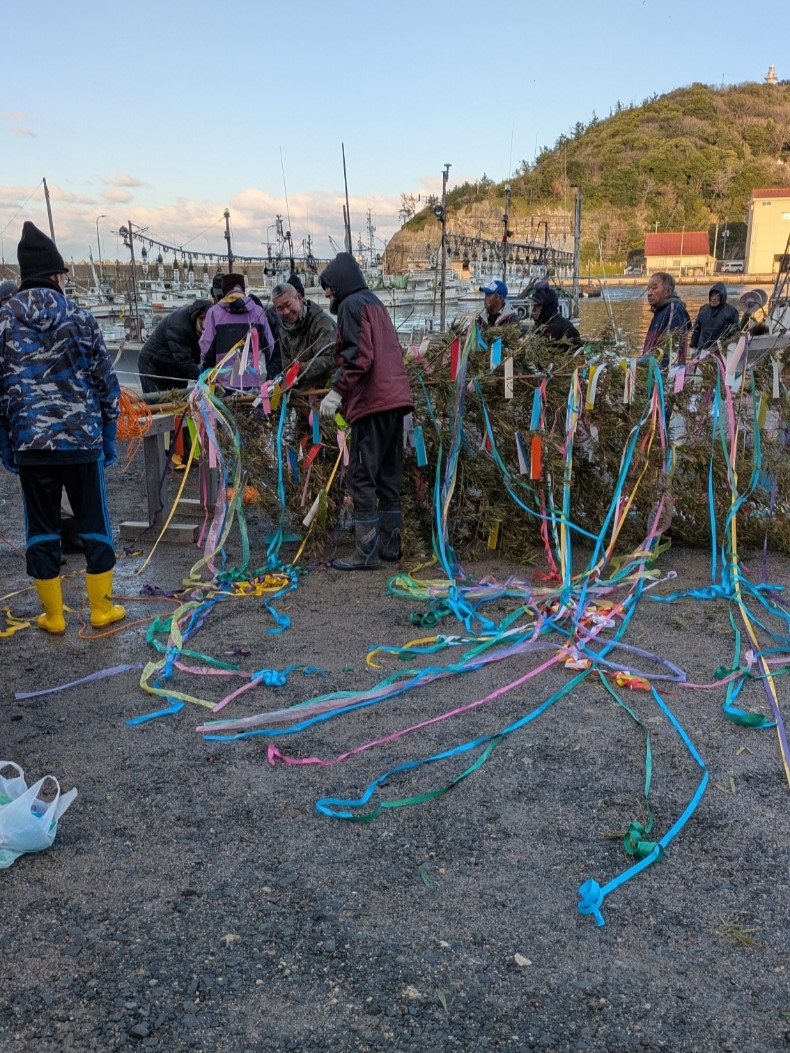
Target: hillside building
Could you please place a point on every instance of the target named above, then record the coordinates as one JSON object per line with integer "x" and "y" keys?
{"x": 767, "y": 229}
{"x": 683, "y": 253}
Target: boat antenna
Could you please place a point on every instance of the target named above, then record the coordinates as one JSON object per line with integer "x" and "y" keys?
{"x": 49, "y": 210}
{"x": 226, "y": 214}
{"x": 605, "y": 292}
{"x": 346, "y": 210}
{"x": 287, "y": 211}
{"x": 24, "y": 203}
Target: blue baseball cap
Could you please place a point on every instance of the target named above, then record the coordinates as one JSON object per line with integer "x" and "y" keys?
{"x": 495, "y": 286}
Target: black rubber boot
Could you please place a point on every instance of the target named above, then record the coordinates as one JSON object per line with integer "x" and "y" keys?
{"x": 390, "y": 535}
{"x": 365, "y": 555}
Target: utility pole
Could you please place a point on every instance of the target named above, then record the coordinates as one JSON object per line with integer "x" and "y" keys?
{"x": 49, "y": 210}
{"x": 505, "y": 232}
{"x": 440, "y": 211}
{"x": 227, "y": 238}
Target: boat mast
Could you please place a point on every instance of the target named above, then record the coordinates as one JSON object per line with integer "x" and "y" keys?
{"x": 227, "y": 238}
{"x": 577, "y": 245}
{"x": 135, "y": 303}
{"x": 346, "y": 210}
{"x": 49, "y": 210}
{"x": 505, "y": 232}
{"x": 371, "y": 241}
{"x": 442, "y": 216}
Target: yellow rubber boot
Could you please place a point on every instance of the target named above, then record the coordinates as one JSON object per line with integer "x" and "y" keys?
{"x": 51, "y": 596}
{"x": 103, "y": 611}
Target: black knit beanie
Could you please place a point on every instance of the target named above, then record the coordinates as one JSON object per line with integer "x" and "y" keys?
{"x": 230, "y": 281}
{"x": 38, "y": 255}
{"x": 296, "y": 282}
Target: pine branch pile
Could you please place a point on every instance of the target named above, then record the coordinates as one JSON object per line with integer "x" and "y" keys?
{"x": 620, "y": 466}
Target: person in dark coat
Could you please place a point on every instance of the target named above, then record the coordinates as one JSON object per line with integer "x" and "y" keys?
{"x": 216, "y": 287}
{"x": 372, "y": 389}
{"x": 549, "y": 321}
{"x": 670, "y": 325}
{"x": 170, "y": 357}
{"x": 717, "y": 319}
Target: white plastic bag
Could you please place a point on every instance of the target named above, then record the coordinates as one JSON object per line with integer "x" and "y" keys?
{"x": 27, "y": 824}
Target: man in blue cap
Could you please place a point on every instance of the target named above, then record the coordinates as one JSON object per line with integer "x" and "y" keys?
{"x": 495, "y": 310}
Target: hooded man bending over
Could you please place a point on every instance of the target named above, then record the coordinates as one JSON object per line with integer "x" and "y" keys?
{"x": 372, "y": 390}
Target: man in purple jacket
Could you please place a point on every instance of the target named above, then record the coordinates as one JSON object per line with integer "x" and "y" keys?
{"x": 372, "y": 389}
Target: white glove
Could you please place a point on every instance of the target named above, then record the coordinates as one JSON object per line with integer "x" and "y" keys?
{"x": 330, "y": 404}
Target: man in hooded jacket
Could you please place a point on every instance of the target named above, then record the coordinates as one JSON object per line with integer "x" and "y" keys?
{"x": 170, "y": 357}
{"x": 372, "y": 389}
{"x": 717, "y": 319}
{"x": 550, "y": 323}
{"x": 58, "y": 417}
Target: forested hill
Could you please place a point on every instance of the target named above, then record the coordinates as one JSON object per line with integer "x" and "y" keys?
{"x": 686, "y": 159}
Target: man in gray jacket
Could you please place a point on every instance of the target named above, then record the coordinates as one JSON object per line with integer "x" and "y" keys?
{"x": 307, "y": 335}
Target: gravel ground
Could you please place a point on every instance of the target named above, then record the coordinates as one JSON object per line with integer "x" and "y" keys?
{"x": 194, "y": 898}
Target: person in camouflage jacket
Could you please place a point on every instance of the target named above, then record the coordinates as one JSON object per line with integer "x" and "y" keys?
{"x": 58, "y": 417}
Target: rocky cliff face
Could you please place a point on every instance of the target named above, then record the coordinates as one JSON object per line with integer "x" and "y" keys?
{"x": 418, "y": 242}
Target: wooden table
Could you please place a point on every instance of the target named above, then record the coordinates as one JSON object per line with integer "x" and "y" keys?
{"x": 157, "y": 475}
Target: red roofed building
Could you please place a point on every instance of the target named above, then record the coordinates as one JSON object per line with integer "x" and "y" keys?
{"x": 767, "y": 230}
{"x": 678, "y": 252}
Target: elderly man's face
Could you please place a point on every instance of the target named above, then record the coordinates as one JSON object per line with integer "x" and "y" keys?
{"x": 493, "y": 302}
{"x": 288, "y": 307}
{"x": 656, "y": 291}
{"x": 714, "y": 299}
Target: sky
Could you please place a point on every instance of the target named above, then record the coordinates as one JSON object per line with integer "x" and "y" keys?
{"x": 165, "y": 114}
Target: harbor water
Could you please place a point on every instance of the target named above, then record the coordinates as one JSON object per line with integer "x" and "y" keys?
{"x": 626, "y": 307}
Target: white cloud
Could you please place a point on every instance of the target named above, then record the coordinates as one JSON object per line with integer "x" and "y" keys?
{"x": 18, "y": 123}
{"x": 124, "y": 179}
{"x": 197, "y": 226}
{"x": 116, "y": 196}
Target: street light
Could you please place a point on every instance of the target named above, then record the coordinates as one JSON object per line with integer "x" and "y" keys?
{"x": 98, "y": 244}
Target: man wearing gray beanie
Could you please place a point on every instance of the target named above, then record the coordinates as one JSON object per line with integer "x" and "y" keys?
{"x": 58, "y": 416}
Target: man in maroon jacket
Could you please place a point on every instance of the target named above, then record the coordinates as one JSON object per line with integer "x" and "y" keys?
{"x": 372, "y": 389}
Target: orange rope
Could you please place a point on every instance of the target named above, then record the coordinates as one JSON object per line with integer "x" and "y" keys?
{"x": 133, "y": 422}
